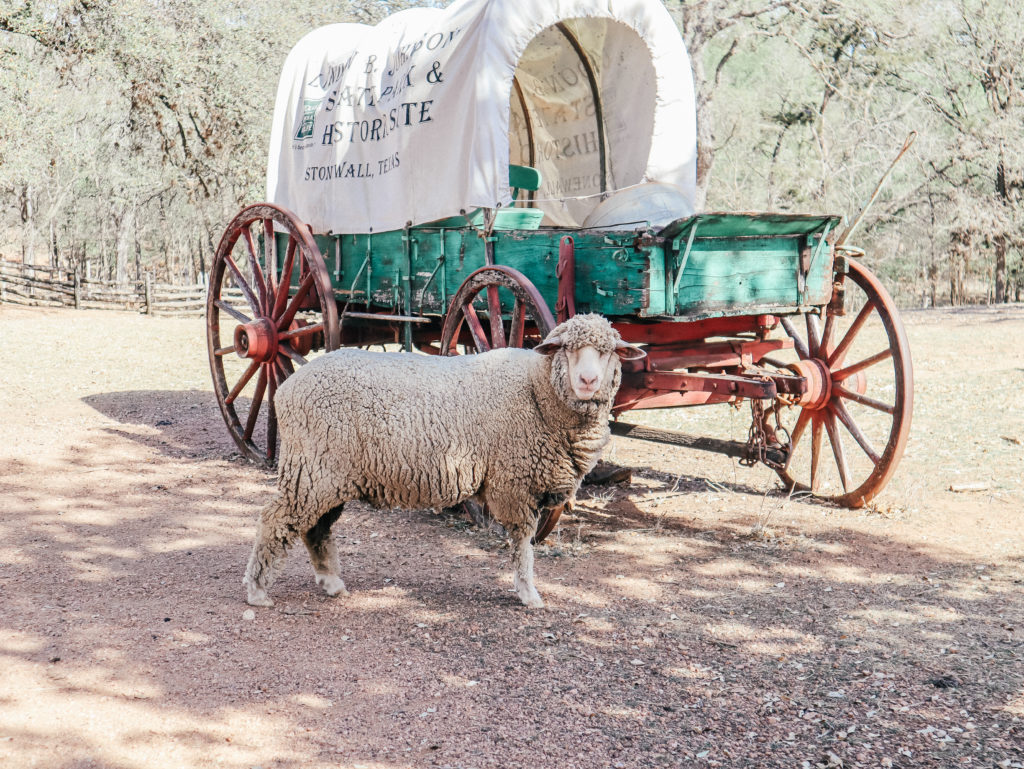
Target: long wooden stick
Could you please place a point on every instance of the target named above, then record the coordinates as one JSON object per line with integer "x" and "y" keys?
{"x": 878, "y": 188}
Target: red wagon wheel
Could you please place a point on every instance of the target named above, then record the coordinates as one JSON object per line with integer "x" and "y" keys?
{"x": 273, "y": 318}
{"x": 861, "y": 396}
{"x": 485, "y": 288}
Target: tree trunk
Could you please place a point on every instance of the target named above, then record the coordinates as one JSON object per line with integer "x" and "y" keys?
{"x": 202, "y": 262}
{"x": 125, "y": 230}
{"x": 138, "y": 252}
{"x": 101, "y": 269}
{"x": 28, "y": 249}
{"x": 959, "y": 246}
{"x": 933, "y": 258}
{"x": 1000, "y": 296}
{"x": 54, "y": 252}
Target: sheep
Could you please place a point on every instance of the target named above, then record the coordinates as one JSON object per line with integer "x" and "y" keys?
{"x": 511, "y": 428}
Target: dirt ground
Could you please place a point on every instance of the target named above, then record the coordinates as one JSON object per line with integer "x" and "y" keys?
{"x": 695, "y": 617}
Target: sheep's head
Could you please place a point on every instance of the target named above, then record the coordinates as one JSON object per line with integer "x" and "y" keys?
{"x": 585, "y": 368}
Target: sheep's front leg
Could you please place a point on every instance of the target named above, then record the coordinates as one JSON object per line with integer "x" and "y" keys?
{"x": 274, "y": 533}
{"x": 522, "y": 565}
{"x": 323, "y": 552}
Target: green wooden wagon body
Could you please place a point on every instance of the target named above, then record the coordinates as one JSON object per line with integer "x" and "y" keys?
{"x": 703, "y": 266}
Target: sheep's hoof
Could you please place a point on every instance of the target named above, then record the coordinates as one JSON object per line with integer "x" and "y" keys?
{"x": 258, "y": 597}
{"x": 332, "y": 585}
{"x": 531, "y": 599}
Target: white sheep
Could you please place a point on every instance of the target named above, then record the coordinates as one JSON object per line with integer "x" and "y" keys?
{"x": 514, "y": 429}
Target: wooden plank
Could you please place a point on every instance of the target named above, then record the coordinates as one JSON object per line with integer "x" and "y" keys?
{"x": 736, "y": 225}
{"x": 736, "y": 276}
{"x": 38, "y": 284}
{"x": 169, "y": 290}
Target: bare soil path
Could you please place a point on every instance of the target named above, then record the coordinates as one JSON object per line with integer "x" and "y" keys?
{"x": 695, "y": 617}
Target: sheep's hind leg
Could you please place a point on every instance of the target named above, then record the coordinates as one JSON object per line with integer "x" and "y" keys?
{"x": 273, "y": 535}
{"x": 522, "y": 565}
{"x": 323, "y": 552}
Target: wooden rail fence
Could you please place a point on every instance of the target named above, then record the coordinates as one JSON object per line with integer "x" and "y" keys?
{"x": 34, "y": 286}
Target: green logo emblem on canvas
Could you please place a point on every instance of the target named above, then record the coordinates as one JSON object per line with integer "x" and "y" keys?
{"x": 309, "y": 108}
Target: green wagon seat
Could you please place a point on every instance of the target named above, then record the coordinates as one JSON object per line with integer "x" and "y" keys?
{"x": 519, "y": 178}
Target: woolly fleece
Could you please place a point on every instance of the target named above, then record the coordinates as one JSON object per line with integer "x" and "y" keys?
{"x": 415, "y": 431}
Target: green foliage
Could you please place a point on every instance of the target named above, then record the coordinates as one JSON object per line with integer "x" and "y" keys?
{"x": 131, "y": 131}
{"x": 135, "y": 129}
{"x": 811, "y": 102}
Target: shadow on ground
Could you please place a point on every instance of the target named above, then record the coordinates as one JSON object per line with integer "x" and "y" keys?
{"x": 179, "y": 424}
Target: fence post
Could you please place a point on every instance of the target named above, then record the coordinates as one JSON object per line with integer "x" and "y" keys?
{"x": 149, "y": 294}
{"x": 78, "y": 291}
{"x": 3, "y": 287}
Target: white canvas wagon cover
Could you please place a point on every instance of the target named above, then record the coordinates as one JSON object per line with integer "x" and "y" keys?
{"x": 418, "y": 118}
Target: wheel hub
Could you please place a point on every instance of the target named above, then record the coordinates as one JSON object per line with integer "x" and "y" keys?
{"x": 819, "y": 382}
{"x": 256, "y": 340}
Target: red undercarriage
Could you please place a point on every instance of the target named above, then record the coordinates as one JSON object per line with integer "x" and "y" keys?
{"x": 717, "y": 370}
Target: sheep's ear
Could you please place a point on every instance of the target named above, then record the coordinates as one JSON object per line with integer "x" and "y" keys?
{"x": 627, "y": 351}
{"x": 549, "y": 346}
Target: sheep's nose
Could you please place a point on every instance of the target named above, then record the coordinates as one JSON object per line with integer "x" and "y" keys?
{"x": 588, "y": 381}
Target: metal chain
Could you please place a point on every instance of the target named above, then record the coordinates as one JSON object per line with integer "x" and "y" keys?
{"x": 756, "y": 449}
{"x": 770, "y": 450}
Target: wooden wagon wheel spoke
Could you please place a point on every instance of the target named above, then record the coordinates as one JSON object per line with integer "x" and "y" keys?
{"x": 816, "y": 433}
{"x": 846, "y": 373}
{"x": 274, "y": 339}
{"x": 257, "y": 402}
{"x": 220, "y": 304}
{"x": 798, "y": 344}
{"x": 243, "y": 285}
{"x": 270, "y": 451}
{"x": 864, "y": 400}
{"x": 871, "y": 399}
{"x": 296, "y": 302}
{"x": 301, "y": 331}
{"x": 837, "y": 355}
{"x": 242, "y": 382}
{"x": 494, "y": 316}
{"x": 270, "y": 248}
{"x": 281, "y": 296}
{"x": 517, "y": 328}
{"x": 257, "y": 272}
{"x": 292, "y": 355}
{"x": 858, "y": 435}
{"x": 813, "y": 335}
{"x": 278, "y": 375}
{"x": 826, "y": 335}
{"x": 281, "y": 371}
{"x": 476, "y": 328}
{"x": 837, "y": 450}
{"x": 801, "y": 424}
